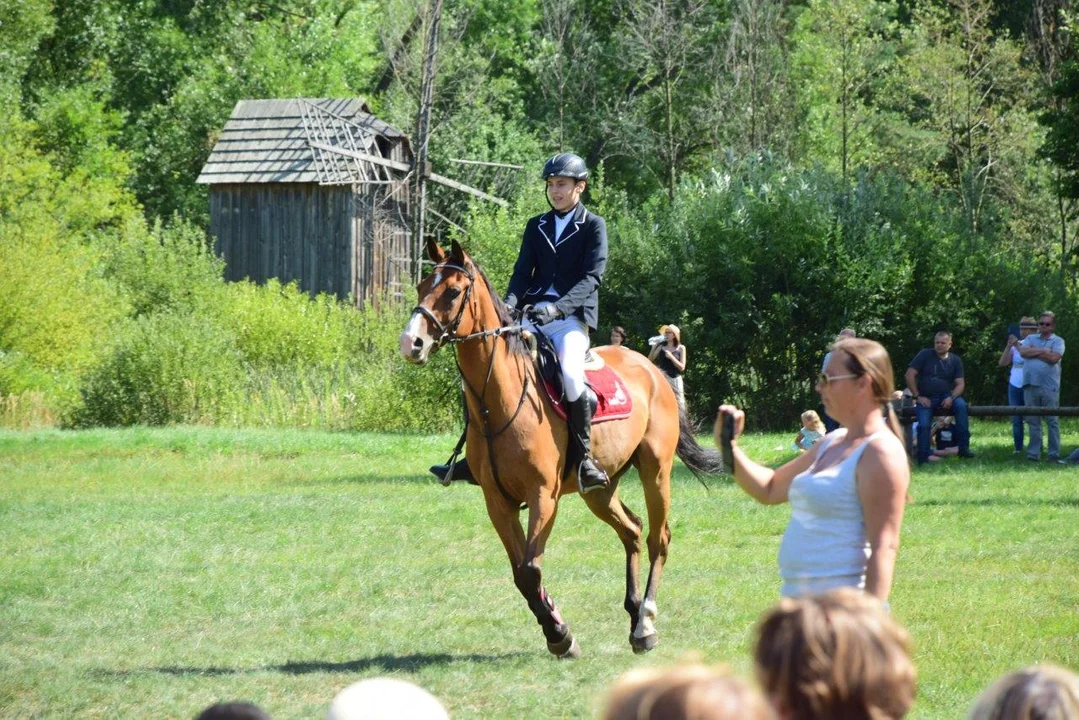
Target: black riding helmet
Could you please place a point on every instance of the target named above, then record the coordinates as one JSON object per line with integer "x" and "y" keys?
{"x": 566, "y": 165}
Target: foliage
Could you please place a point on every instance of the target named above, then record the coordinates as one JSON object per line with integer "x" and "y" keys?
{"x": 772, "y": 262}
{"x": 162, "y": 268}
{"x": 166, "y": 368}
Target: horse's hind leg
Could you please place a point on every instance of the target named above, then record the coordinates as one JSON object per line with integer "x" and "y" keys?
{"x": 656, "y": 479}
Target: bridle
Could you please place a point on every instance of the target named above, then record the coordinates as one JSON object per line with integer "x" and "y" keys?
{"x": 448, "y": 335}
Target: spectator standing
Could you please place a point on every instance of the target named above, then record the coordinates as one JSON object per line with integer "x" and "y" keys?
{"x": 1041, "y": 383}
{"x": 618, "y": 335}
{"x": 1012, "y": 357}
{"x": 936, "y": 379}
{"x": 849, "y": 492}
{"x": 670, "y": 356}
{"x": 844, "y": 334}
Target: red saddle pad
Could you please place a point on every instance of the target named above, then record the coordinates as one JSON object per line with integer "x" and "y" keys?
{"x": 614, "y": 400}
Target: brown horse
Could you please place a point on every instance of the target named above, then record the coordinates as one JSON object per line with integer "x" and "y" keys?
{"x": 517, "y": 445}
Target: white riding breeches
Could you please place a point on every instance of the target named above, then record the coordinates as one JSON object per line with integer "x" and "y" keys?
{"x": 570, "y": 339}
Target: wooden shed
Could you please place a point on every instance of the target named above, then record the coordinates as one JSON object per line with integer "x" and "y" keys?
{"x": 292, "y": 197}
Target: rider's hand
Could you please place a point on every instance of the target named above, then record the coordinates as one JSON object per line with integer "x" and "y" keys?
{"x": 924, "y": 401}
{"x": 545, "y": 314}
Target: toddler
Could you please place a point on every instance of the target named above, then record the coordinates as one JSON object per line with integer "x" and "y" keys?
{"x": 812, "y": 431}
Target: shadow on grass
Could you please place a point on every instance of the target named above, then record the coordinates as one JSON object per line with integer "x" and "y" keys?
{"x": 386, "y": 663}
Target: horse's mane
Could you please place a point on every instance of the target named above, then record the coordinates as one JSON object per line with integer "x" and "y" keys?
{"x": 514, "y": 343}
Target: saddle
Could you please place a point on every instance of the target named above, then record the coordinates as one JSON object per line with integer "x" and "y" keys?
{"x": 611, "y": 399}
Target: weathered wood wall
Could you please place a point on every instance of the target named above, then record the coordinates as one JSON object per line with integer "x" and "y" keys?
{"x": 328, "y": 238}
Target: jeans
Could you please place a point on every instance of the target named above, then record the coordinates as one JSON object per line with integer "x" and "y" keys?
{"x": 925, "y": 422}
{"x": 1037, "y": 396}
{"x": 1015, "y": 399}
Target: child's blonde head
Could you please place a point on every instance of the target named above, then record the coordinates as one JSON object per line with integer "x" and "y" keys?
{"x": 836, "y": 655}
{"x": 812, "y": 421}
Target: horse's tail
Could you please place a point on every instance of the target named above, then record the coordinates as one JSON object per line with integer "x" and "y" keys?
{"x": 701, "y": 461}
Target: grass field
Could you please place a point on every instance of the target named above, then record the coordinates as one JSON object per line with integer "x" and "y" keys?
{"x": 149, "y": 573}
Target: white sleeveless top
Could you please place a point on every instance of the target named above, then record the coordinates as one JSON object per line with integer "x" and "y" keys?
{"x": 825, "y": 545}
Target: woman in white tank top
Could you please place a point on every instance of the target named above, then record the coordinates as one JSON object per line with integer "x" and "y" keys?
{"x": 848, "y": 493}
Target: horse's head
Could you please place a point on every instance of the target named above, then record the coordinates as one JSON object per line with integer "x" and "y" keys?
{"x": 447, "y": 303}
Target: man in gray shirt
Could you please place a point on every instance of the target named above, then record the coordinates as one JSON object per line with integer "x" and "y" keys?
{"x": 1041, "y": 379}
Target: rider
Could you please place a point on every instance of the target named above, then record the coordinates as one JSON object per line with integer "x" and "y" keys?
{"x": 557, "y": 275}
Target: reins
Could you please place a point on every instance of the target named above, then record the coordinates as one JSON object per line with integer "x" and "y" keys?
{"x": 448, "y": 336}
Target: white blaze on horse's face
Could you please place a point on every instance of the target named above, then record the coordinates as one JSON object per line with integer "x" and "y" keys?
{"x": 416, "y": 342}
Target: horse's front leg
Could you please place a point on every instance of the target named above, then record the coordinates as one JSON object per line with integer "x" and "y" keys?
{"x": 525, "y": 558}
{"x": 542, "y": 509}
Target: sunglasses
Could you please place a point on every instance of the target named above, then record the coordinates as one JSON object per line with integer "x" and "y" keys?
{"x": 825, "y": 379}
{"x": 1045, "y": 324}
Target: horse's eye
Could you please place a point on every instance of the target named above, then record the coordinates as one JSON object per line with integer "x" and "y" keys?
{"x": 453, "y": 293}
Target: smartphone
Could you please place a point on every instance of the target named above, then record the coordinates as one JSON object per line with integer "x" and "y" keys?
{"x": 726, "y": 434}
{"x": 1012, "y": 330}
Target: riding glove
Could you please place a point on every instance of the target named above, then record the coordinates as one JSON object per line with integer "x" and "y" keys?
{"x": 545, "y": 314}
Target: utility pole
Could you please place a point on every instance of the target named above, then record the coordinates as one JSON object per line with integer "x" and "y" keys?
{"x": 423, "y": 136}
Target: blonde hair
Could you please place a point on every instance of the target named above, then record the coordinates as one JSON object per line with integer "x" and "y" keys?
{"x": 868, "y": 357}
{"x": 1039, "y": 692}
{"x": 685, "y": 691}
{"x": 814, "y": 421}
{"x": 836, "y": 655}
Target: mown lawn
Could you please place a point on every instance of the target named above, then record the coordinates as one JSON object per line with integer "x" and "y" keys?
{"x": 149, "y": 573}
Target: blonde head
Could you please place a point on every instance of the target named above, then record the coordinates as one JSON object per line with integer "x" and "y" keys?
{"x": 836, "y": 655}
{"x": 686, "y": 691}
{"x": 1039, "y": 692}
{"x": 811, "y": 420}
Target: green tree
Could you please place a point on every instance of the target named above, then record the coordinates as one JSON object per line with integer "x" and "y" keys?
{"x": 1062, "y": 148}
{"x": 843, "y": 50}
{"x": 967, "y": 91}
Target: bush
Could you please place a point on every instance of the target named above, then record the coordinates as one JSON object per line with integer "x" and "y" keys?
{"x": 761, "y": 264}
{"x": 167, "y": 368}
{"x": 282, "y": 326}
{"x": 163, "y": 268}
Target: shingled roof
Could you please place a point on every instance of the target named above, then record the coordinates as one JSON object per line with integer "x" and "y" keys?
{"x": 266, "y": 141}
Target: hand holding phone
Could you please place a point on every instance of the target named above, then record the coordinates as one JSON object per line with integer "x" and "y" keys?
{"x": 727, "y": 430}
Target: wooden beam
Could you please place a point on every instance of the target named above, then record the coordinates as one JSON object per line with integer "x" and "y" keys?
{"x": 405, "y": 167}
{"x": 470, "y": 190}
{"x": 375, "y": 159}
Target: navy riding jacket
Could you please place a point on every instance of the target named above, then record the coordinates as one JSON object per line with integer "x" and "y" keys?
{"x": 573, "y": 264}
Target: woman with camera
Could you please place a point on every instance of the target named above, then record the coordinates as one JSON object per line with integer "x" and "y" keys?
{"x": 669, "y": 354}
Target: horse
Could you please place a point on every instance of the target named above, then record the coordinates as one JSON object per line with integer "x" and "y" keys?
{"x": 517, "y": 446}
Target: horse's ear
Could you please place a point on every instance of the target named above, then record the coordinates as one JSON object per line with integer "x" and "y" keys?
{"x": 457, "y": 252}
{"x": 435, "y": 251}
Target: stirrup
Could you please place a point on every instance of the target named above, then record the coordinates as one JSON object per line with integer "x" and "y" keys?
{"x": 585, "y": 486}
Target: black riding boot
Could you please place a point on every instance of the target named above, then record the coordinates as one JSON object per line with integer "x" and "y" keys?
{"x": 590, "y": 475}
{"x": 461, "y": 471}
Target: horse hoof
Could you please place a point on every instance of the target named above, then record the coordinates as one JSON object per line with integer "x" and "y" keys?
{"x": 567, "y": 649}
{"x": 642, "y": 645}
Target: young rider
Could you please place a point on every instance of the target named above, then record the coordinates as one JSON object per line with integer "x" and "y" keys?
{"x": 557, "y": 275}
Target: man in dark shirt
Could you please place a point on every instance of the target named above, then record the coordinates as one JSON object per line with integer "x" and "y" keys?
{"x": 935, "y": 378}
